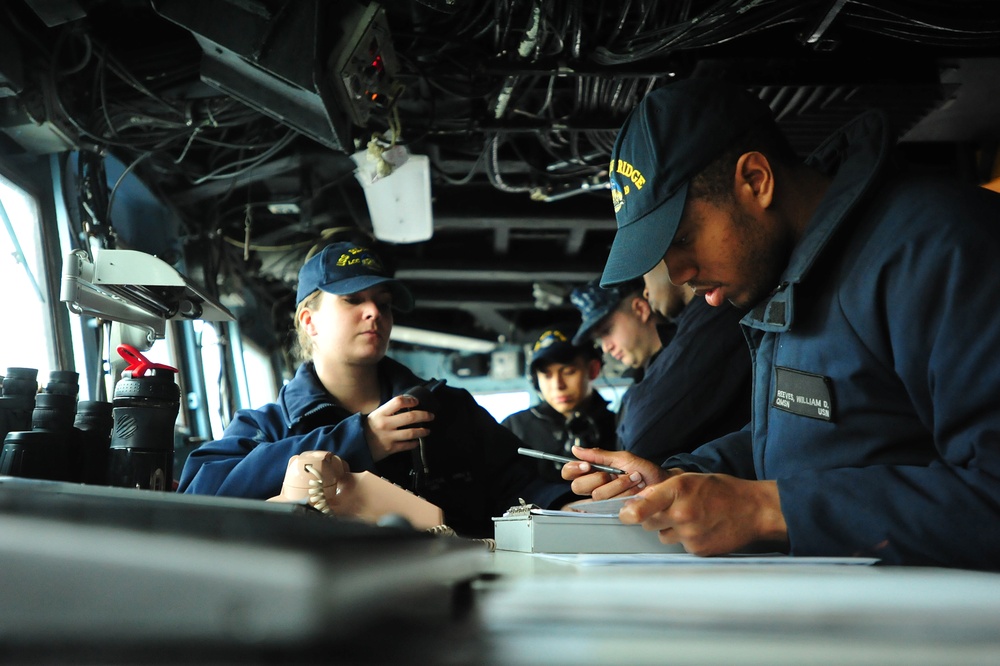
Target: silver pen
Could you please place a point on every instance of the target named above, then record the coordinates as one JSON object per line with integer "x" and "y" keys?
{"x": 563, "y": 459}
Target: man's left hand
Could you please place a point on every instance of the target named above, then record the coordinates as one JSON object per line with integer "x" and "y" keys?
{"x": 710, "y": 514}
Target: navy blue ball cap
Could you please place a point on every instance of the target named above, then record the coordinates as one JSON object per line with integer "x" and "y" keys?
{"x": 347, "y": 268}
{"x": 555, "y": 346}
{"x": 552, "y": 346}
{"x": 671, "y": 135}
{"x": 595, "y": 303}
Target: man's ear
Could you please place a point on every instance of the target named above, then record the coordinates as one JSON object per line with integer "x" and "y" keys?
{"x": 755, "y": 180}
{"x": 642, "y": 309}
{"x": 594, "y": 368}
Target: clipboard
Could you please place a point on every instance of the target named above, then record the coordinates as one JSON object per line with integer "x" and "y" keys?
{"x": 530, "y": 529}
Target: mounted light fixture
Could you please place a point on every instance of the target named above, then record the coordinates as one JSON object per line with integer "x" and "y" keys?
{"x": 419, "y": 336}
{"x": 397, "y": 187}
{"x": 134, "y": 288}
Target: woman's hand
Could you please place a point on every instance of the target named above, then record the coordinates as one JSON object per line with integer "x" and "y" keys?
{"x": 389, "y": 429}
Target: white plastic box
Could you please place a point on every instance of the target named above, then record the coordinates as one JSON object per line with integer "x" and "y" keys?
{"x": 540, "y": 531}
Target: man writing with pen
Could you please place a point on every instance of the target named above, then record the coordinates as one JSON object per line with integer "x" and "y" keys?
{"x": 871, "y": 320}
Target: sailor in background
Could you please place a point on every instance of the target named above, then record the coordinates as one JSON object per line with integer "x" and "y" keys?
{"x": 570, "y": 412}
{"x": 690, "y": 364}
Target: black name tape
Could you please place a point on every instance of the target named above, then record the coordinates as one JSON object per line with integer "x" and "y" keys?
{"x": 803, "y": 393}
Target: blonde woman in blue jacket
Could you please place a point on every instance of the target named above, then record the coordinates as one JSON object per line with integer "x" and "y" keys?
{"x": 350, "y": 399}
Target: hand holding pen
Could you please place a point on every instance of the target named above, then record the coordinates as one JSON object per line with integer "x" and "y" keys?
{"x": 635, "y": 473}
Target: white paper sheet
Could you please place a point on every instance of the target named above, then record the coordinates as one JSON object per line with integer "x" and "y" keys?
{"x": 604, "y": 559}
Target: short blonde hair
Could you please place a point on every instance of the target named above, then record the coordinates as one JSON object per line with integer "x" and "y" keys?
{"x": 303, "y": 341}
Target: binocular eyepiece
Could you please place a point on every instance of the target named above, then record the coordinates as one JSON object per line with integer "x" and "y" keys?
{"x": 17, "y": 399}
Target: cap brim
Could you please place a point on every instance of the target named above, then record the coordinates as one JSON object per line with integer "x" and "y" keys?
{"x": 402, "y": 299}
{"x": 588, "y": 325}
{"x": 640, "y": 245}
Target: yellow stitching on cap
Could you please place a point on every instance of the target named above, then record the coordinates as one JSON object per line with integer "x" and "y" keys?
{"x": 630, "y": 172}
{"x": 549, "y": 338}
{"x": 360, "y": 255}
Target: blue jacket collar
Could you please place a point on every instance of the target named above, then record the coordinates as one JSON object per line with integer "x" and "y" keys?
{"x": 305, "y": 395}
{"x": 854, "y": 156}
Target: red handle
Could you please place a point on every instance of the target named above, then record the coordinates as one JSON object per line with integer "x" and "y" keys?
{"x": 137, "y": 363}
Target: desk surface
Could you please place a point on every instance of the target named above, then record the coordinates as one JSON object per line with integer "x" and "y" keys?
{"x": 206, "y": 579}
{"x": 537, "y": 610}
{"x": 124, "y": 576}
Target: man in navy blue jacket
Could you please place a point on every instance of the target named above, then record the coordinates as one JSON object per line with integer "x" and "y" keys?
{"x": 872, "y": 296}
{"x": 691, "y": 376}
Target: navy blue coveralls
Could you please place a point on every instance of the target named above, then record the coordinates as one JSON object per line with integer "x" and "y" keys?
{"x": 695, "y": 389}
{"x": 877, "y": 368}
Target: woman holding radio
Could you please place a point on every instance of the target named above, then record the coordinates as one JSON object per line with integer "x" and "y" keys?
{"x": 350, "y": 399}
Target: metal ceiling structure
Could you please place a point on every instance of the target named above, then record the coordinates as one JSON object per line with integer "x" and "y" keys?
{"x": 241, "y": 116}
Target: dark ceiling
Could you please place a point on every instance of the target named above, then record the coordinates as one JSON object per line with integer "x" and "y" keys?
{"x": 242, "y": 115}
